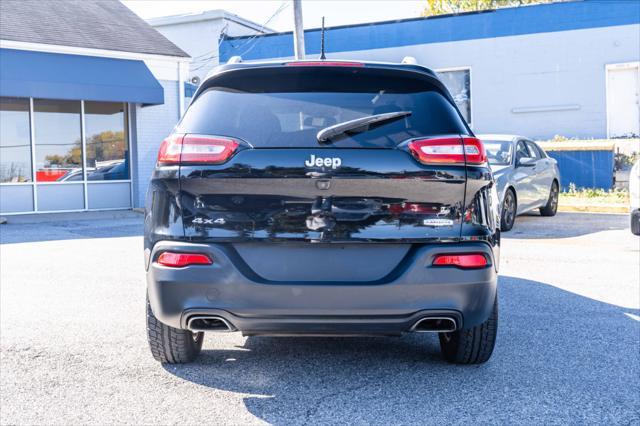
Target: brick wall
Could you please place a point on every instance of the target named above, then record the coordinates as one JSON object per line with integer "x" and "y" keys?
{"x": 153, "y": 124}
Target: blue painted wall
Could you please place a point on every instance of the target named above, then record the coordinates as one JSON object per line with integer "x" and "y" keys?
{"x": 585, "y": 169}
{"x": 543, "y": 18}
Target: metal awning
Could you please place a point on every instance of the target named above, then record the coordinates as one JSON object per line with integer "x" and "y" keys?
{"x": 43, "y": 75}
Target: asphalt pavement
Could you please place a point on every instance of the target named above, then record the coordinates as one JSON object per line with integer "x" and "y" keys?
{"x": 74, "y": 350}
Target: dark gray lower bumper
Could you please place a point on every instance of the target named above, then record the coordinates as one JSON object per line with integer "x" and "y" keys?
{"x": 255, "y": 306}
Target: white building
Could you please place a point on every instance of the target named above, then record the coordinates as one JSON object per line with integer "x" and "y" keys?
{"x": 200, "y": 34}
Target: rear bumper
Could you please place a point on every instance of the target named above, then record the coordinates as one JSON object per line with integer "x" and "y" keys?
{"x": 256, "y": 306}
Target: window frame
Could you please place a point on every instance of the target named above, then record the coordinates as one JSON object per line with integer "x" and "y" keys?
{"x": 463, "y": 68}
{"x": 128, "y": 108}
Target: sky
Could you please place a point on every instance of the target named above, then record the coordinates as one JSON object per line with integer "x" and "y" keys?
{"x": 336, "y": 12}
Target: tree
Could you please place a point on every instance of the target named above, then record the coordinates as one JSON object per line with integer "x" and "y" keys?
{"x": 442, "y": 7}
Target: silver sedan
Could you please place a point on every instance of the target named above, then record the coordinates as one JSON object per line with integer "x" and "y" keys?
{"x": 526, "y": 177}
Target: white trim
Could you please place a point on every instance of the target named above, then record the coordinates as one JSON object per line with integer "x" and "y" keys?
{"x": 464, "y": 68}
{"x": 68, "y": 182}
{"x": 180, "y": 90}
{"x": 68, "y": 211}
{"x": 73, "y": 182}
{"x": 72, "y": 50}
{"x": 607, "y": 68}
{"x": 33, "y": 154}
{"x": 130, "y": 142}
{"x": 83, "y": 144}
{"x": 91, "y": 182}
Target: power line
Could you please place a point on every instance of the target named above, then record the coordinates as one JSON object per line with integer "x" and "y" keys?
{"x": 278, "y": 11}
{"x": 204, "y": 62}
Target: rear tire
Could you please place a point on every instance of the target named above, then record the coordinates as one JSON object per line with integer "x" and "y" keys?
{"x": 473, "y": 345}
{"x": 508, "y": 211}
{"x": 635, "y": 222}
{"x": 171, "y": 345}
{"x": 551, "y": 207}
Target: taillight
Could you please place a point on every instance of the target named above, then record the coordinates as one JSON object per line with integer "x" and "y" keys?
{"x": 474, "y": 150}
{"x": 196, "y": 149}
{"x": 170, "y": 148}
{"x": 180, "y": 260}
{"x": 449, "y": 150}
{"x": 324, "y": 64}
{"x": 463, "y": 261}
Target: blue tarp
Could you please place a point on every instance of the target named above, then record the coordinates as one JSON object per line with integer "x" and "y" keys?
{"x": 585, "y": 169}
{"x": 30, "y": 74}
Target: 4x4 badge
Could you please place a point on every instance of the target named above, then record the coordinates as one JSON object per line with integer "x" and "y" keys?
{"x": 203, "y": 221}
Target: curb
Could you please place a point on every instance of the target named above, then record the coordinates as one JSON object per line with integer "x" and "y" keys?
{"x": 591, "y": 208}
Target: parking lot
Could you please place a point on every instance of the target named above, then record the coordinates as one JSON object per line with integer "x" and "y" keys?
{"x": 74, "y": 350}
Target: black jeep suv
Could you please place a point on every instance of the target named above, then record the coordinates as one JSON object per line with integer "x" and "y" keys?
{"x": 322, "y": 198}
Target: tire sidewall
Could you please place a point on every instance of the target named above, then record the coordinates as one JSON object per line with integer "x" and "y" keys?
{"x": 504, "y": 226}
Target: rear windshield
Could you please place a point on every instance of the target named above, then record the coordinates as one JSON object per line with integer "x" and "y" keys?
{"x": 286, "y": 107}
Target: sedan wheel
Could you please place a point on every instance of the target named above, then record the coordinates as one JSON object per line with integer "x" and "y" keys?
{"x": 551, "y": 207}
{"x": 509, "y": 206}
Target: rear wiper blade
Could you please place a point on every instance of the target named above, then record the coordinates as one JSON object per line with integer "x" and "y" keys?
{"x": 358, "y": 125}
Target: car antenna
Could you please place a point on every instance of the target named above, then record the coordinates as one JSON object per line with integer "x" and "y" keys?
{"x": 322, "y": 41}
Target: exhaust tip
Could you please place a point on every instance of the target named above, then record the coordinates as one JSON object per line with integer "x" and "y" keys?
{"x": 435, "y": 325}
{"x": 202, "y": 323}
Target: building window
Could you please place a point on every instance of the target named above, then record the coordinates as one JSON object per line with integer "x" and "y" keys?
{"x": 56, "y": 143}
{"x": 106, "y": 141}
{"x": 458, "y": 81}
{"x": 15, "y": 141}
{"x": 57, "y": 140}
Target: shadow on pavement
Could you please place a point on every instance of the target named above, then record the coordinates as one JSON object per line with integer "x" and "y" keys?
{"x": 560, "y": 358}
{"x": 565, "y": 225}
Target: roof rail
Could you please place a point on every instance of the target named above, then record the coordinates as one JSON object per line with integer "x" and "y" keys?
{"x": 409, "y": 60}
{"x": 235, "y": 59}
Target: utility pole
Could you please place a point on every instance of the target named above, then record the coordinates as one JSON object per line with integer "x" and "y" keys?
{"x": 298, "y": 30}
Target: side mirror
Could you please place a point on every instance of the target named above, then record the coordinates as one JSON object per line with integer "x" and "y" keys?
{"x": 526, "y": 162}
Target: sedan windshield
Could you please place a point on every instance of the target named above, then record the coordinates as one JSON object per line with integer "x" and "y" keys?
{"x": 498, "y": 152}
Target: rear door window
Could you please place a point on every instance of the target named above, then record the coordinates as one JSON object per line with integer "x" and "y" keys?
{"x": 289, "y": 110}
{"x": 522, "y": 151}
{"x": 535, "y": 150}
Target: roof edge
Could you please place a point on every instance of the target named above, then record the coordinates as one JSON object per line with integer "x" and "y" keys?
{"x": 207, "y": 15}
{"x": 87, "y": 51}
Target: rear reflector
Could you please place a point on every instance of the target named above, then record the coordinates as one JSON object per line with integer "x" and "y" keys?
{"x": 449, "y": 150}
{"x": 463, "y": 261}
{"x": 324, "y": 64}
{"x": 180, "y": 260}
{"x": 196, "y": 149}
